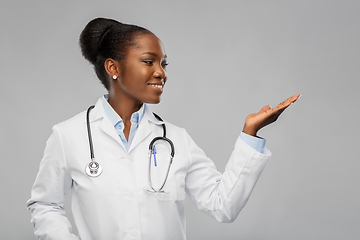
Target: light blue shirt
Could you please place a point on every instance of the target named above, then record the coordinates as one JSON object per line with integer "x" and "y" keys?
{"x": 119, "y": 123}
{"x": 256, "y": 143}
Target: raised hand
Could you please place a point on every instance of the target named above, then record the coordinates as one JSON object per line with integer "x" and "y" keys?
{"x": 267, "y": 115}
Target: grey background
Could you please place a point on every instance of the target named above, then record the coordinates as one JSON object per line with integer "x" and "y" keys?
{"x": 227, "y": 60}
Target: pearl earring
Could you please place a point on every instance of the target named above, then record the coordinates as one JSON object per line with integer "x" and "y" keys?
{"x": 114, "y": 77}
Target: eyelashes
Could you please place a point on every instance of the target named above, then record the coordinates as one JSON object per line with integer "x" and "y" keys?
{"x": 148, "y": 62}
{"x": 151, "y": 63}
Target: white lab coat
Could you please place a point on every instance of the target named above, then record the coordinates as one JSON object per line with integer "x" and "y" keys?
{"x": 116, "y": 205}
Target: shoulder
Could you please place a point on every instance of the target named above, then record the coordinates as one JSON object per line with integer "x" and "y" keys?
{"x": 72, "y": 126}
{"x": 77, "y": 120}
{"x": 174, "y": 128}
{"x": 178, "y": 134}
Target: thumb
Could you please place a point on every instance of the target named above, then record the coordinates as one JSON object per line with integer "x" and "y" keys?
{"x": 264, "y": 109}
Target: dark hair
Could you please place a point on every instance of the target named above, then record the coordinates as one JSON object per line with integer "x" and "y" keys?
{"x": 104, "y": 38}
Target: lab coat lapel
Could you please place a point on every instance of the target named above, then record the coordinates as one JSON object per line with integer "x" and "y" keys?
{"x": 145, "y": 127}
{"x": 105, "y": 125}
{"x": 109, "y": 129}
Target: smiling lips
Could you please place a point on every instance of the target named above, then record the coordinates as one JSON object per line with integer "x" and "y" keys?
{"x": 158, "y": 86}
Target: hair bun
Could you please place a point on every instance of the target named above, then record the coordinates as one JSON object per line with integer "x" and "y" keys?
{"x": 104, "y": 38}
{"x": 92, "y": 35}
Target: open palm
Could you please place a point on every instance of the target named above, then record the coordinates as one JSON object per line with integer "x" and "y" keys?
{"x": 267, "y": 115}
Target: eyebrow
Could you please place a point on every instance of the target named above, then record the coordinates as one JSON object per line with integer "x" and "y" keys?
{"x": 153, "y": 54}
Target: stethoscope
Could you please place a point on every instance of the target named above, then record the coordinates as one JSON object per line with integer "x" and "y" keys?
{"x": 94, "y": 169}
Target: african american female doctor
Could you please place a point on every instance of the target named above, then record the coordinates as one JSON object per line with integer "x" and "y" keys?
{"x": 122, "y": 197}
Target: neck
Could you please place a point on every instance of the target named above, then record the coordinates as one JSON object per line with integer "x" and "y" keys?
{"x": 123, "y": 106}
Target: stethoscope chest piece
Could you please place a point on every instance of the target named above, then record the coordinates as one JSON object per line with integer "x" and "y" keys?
{"x": 93, "y": 169}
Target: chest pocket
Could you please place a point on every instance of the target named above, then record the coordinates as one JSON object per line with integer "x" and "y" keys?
{"x": 174, "y": 188}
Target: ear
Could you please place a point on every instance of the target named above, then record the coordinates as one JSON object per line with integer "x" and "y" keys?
{"x": 112, "y": 68}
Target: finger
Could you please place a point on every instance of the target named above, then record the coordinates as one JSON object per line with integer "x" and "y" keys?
{"x": 288, "y": 102}
{"x": 296, "y": 97}
{"x": 264, "y": 109}
{"x": 293, "y": 99}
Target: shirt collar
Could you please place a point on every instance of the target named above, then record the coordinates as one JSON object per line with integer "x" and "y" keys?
{"x": 115, "y": 118}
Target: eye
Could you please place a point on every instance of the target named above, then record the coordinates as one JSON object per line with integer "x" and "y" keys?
{"x": 164, "y": 65}
{"x": 148, "y": 62}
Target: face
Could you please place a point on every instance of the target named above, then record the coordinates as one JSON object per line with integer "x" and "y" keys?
{"x": 143, "y": 72}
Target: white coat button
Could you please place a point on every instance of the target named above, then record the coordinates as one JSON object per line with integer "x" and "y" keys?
{"x": 130, "y": 195}
{"x": 133, "y": 233}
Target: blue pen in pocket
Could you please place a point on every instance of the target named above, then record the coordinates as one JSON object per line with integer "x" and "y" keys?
{"x": 154, "y": 153}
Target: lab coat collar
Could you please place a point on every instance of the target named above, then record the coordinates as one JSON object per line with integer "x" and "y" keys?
{"x": 98, "y": 113}
{"x": 145, "y": 127}
{"x": 150, "y": 116}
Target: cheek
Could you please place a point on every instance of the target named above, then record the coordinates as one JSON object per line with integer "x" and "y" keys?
{"x": 138, "y": 74}
{"x": 144, "y": 73}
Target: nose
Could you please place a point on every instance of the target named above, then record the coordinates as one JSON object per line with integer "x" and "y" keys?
{"x": 160, "y": 73}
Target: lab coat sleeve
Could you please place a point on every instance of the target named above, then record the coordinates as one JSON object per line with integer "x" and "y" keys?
{"x": 48, "y": 194}
{"x": 222, "y": 196}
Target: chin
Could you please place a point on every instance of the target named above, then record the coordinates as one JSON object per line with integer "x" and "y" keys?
{"x": 154, "y": 101}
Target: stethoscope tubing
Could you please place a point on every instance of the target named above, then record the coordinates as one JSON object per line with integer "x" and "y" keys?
{"x": 165, "y": 139}
{"x": 89, "y": 132}
{"x": 93, "y": 169}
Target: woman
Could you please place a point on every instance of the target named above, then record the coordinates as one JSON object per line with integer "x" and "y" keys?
{"x": 126, "y": 196}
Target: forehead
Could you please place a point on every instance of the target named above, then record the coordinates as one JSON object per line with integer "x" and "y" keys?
{"x": 148, "y": 43}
